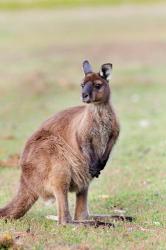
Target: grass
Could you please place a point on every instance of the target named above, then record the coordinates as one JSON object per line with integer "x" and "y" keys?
{"x": 40, "y": 75}
{"x": 29, "y": 4}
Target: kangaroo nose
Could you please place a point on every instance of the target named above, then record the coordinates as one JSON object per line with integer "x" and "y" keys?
{"x": 85, "y": 95}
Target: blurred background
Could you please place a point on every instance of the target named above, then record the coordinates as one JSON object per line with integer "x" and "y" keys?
{"x": 42, "y": 46}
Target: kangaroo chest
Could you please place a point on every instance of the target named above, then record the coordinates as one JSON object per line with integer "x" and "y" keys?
{"x": 100, "y": 132}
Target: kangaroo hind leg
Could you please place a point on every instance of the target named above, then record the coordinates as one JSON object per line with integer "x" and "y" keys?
{"x": 81, "y": 208}
{"x": 64, "y": 216}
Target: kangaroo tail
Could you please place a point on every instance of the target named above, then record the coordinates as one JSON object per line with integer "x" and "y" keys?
{"x": 20, "y": 204}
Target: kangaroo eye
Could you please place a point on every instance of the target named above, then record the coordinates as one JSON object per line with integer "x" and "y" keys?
{"x": 82, "y": 85}
{"x": 98, "y": 86}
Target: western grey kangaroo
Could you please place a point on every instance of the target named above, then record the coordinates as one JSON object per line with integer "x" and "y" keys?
{"x": 68, "y": 151}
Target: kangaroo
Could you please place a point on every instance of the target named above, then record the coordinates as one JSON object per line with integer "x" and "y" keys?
{"x": 68, "y": 151}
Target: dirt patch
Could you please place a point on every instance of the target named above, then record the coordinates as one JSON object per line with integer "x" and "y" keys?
{"x": 12, "y": 161}
{"x": 35, "y": 83}
{"x": 8, "y": 137}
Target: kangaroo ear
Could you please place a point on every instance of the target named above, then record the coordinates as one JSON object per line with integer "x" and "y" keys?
{"x": 106, "y": 71}
{"x": 87, "y": 67}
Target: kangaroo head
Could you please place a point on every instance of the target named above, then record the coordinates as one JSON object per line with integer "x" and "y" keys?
{"x": 95, "y": 86}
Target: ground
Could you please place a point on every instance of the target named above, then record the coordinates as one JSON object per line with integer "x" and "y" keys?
{"x": 41, "y": 53}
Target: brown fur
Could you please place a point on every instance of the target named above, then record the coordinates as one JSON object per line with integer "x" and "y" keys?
{"x": 65, "y": 153}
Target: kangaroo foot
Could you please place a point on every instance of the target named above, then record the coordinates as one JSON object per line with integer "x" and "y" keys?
{"x": 107, "y": 217}
{"x": 100, "y": 220}
{"x": 93, "y": 223}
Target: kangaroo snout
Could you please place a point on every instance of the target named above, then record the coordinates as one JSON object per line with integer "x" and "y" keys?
{"x": 87, "y": 93}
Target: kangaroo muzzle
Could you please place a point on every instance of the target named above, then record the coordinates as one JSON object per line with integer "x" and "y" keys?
{"x": 87, "y": 93}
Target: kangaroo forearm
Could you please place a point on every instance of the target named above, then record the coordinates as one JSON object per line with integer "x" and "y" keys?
{"x": 96, "y": 164}
{"x": 92, "y": 159}
{"x": 94, "y": 169}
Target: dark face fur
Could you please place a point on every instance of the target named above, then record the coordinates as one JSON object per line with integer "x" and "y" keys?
{"x": 95, "y": 86}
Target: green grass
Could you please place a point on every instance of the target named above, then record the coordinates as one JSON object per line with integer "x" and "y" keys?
{"x": 41, "y": 73}
{"x": 28, "y": 4}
